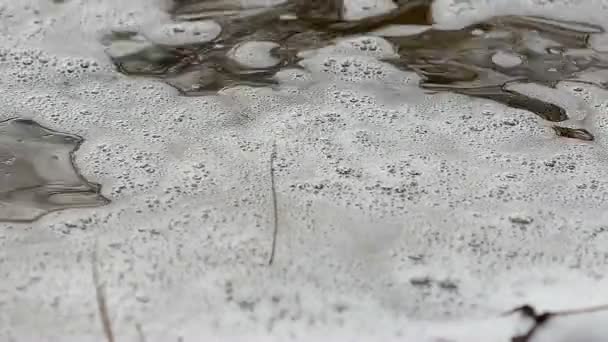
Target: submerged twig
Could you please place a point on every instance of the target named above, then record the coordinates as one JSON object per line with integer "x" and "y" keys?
{"x": 102, "y": 305}
{"x": 275, "y": 211}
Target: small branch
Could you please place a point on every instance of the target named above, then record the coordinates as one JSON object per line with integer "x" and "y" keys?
{"x": 275, "y": 211}
{"x": 102, "y": 305}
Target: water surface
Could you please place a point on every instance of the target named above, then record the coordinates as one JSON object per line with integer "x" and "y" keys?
{"x": 483, "y": 60}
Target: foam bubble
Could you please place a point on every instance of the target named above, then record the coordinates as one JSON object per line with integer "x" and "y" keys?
{"x": 397, "y": 206}
{"x": 255, "y": 55}
{"x": 182, "y": 33}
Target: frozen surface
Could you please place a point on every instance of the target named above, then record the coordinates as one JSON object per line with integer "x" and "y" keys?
{"x": 403, "y": 214}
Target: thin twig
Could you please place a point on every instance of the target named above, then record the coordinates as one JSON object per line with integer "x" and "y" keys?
{"x": 579, "y": 311}
{"x": 275, "y": 211}
{"x": 140, "y": 332}
{"x": 541, "y": 319}
{"x": 102, "y": 305}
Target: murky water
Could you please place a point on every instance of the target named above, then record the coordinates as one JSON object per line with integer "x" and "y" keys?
{"x": 219, "y": 44}
{"x": 38, "y": 174}
{"x": 300, "y": 167}
{"x": 483, "y": 60}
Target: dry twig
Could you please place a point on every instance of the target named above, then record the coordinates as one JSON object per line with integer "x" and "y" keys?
{"x": 102, "y": 305}
{"x": 275, "y": 210}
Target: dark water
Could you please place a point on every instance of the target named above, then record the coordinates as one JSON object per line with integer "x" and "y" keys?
{"x": 466, "y": 61}
{"x": 37, "y": 172}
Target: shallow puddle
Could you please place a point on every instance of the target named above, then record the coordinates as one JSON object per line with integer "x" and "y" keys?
{"x": 37, "y": 171}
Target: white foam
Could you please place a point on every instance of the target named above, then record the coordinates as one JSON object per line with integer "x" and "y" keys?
{"x": 460, "y": 13}
{"x": 378, "y": 184}
{"x": 506, "y": 60}
{"x": 254, "y": 54}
